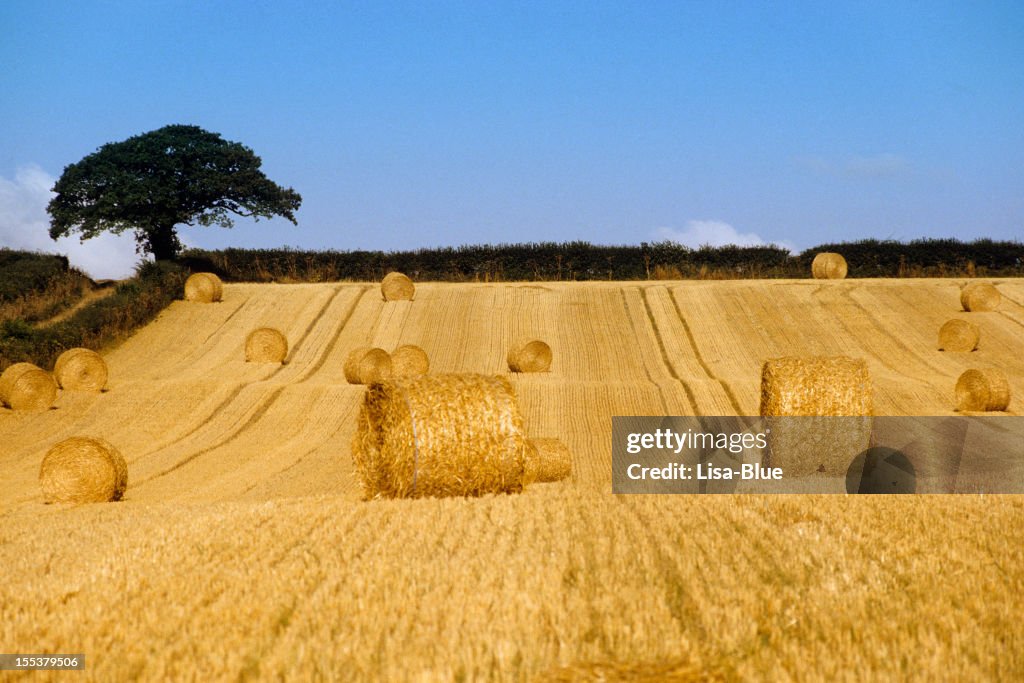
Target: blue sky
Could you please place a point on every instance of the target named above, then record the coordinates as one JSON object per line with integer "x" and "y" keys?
{"x": 408, "y": 125}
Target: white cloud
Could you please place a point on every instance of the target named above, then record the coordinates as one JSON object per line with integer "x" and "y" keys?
{"x": 713, "y": 233}
{"x": 24, "y": 224}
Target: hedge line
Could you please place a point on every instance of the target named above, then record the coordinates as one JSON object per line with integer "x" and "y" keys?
{"x": 584, "y": 261}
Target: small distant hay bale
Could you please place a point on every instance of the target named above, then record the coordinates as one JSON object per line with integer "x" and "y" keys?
{"x": 828, "y": 266}
{"x": 81, "y": 369}
{"x": 529, "y": 355}
{"x": 440, "y": 435}
{"x": 818, "y": 411}
{"x": 368, "y": 365}
{"x": 23, "y": 386}
{"x": 979, "y": 296}
{"x": 83, "y": 469}
{"x": 397, "y": 287}
{"x": 203, "y": 288}
{"x": 409, "y": 360}
{"x": 547, "y": 460}
{"x": 982, "y": 390}
{"x": 266, "y": 345}
{"x": 959, "y": 335}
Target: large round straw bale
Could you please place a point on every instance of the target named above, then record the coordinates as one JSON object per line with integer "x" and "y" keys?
{"x": 81, "y": 369}
{"x": 83, "y": 469}
{"x": 265, "y": 345}
{"x": 366, "y": 365}
{"x": 959, "y": 335}
{"x": 979, "y": 296}
{"x": 397, "y": 287}
{"x": 440, "y": 435}
{"x": 24, "y": 386}
{"x": 828, "y": 266}
{"x": 982, "y": 389}
{"x": 547, "y": 460}
{"x": 815, "y": 385}
{"x": 818, "y": 414}
{"x": 409, "y": 360}
{"x": 203, "y": 288}
{"x": 529, "y": 355}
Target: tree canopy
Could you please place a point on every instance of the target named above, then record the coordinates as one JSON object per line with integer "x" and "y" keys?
{"x": 150, "y": 183}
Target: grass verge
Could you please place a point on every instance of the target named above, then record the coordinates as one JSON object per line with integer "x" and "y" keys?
{"x": 97, "y": 325}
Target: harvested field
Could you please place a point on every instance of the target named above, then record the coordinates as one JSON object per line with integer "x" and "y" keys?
{"x": 242, "y": 548}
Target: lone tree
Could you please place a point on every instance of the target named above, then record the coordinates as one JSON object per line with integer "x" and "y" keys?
{"x": 152, "y": 182}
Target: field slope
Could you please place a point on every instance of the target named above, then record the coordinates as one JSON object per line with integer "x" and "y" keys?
{"x": 243, "y": 548}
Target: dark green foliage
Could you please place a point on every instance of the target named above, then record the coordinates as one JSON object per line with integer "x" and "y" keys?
{"x": 933, "y": 257}
{"x": 98, "y": 324}
{"x": 16, "y": 329}
{"x": 539, "y": 261}
{"x": 24, "y": 272}
{"x": 152, "y": 182}
{"x": 36, "y": 286}
{"x": 583, "y": 261}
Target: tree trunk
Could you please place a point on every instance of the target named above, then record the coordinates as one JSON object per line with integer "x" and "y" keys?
{"x": 163, "y": 242}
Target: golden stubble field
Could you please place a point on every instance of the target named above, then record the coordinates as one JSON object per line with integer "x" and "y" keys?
{"x": 243, "y": 550}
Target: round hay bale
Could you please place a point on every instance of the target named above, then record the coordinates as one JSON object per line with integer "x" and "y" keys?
{"x": 83, "y": 469}
{"x": 366, "y": 365}
{"x": 81, "y": 369}
{"x": 815, "y": 385}
{"x": 397, "y": 287}
{"x": 440, "y": 435}
{"x": 24, "y": 386}
{"x": 266, "y": 345}
{"x": 979, "y": 296}
{"x": 828, "y": 266}
{"x": 409, "y": 360}
{"x": 818, "y": 414}
{"x": 547, "y": 460}
{"x": 203, "y": 288}
{"x": 959, "y": 335}
{"x": 530, "y": 355}
{"x": 982, "y": 390}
